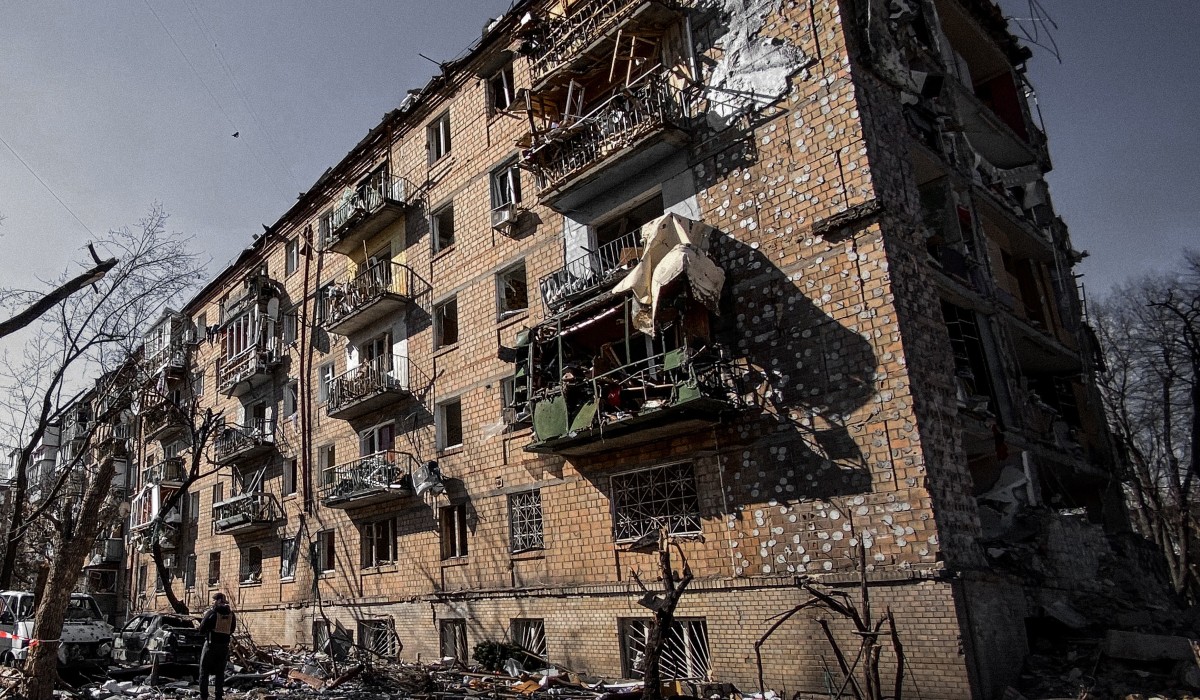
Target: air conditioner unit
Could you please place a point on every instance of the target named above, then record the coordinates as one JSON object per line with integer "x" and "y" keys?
{"x": 504, "y": 218}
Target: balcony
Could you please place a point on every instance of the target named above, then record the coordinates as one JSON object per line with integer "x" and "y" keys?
{"x": 367, "y": 480}
{"x": 244, "y": 442}
{"x": 366, "y": 210}
{"x": 167, "y": 473}
{"x": 369, "y": 387}
{"x": 112, "y": 440}
{"x": 247, "y": 370}
{"x": 587, "y": 35}
{"x": 652, "y": 399}
{"x": 107, "y": 554}
{"x": 170, "y": 356}
{"x": 591, "y": 272}
{"x": 245, "y": 513}
{"x": 162, "y": 419}
{"x": 622, "y": 137}
{"x": 379, "y": 291}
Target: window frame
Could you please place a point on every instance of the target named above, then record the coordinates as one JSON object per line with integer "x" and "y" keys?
{"x": 439, "y": 321}
{"x": 452, "y": 532}
{"x": 214, "y": 557}
{"x": 508, "y": 90}
{"x": 634, "y": 529}
{"x": 695, "y": 638}
{"x": 374, "y": 534}
{"x": 526, "y": 531}
{"x": 435, "y": 227}
{"x": 246, "y": 564}
{"x": 326, "y": 551}
{"x": 326, "y": 461}
{"x": 505, "y": 180}
{"x": 291, "y": 257}
{"x": 367, "y": 631}
{"x": 288, "y": 564}
{"x": 291, "y": 474}
{"x": 441, "y": 426}
{"x": 438, "y": 139}
{"x": 326, "y": 373}
{"x": 502, "y": 312}
{"x": 523, "y": 629}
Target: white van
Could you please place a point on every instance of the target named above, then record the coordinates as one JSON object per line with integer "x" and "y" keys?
{"x": 86, "y": 637}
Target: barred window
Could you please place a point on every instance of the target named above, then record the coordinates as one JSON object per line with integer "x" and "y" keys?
{"x": 685, "y": 649}
{"x": 530, "y": 635}
{"x": 379, "y": 637}
{"x": 651, "y": 499}
{"x": 525, "y": 521}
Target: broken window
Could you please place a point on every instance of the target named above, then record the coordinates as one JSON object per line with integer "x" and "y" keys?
{"x": 438, "y": 137}
{"x": 649, "y": 500}
{"x": 291, "y": 397}
{"x": 530, "y": 635}
{"x": 525, "y": 521}
{"x": 325, "y": 554}
{"x": 324, "y": 382}
{"x": 325, "y": 463}
{"x": 325, "y": 228}
{"x": 445, "y": 323}
{"x": 629, "y": 221}
{"x": 142, "y": 579}
{"x": 251, "y": 565}
{"x": 453, "y": 637}
{"x": 189, "y": 572}
{"x": 506, "y": 185}
{"x": 290, "y": 472}
{"x": 214, "y": 568}
{"x": 970, "y": 360}
{"x": 291, "y": 256}
{"x": 454, "y": 531}
{"x": 379, "y": 637}
{"x": 512, "y": 292}
{"x": 500, "y": 90}
{"x": 289, "y": 549}
{"x": 442, "y": 224}
{"x": 685, "y": 648}
{"x": 193, "y": 507}
{"x": 290, "y": 325}
{"x": 379, "y": 543}
{"x": 335, "y": 643}
{"x": 201, "y": 325}
{"x": 449, "y": 424}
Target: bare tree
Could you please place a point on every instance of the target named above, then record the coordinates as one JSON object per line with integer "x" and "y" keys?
{"x": 85, "y": 335}
{"x": 1149, "y": 330}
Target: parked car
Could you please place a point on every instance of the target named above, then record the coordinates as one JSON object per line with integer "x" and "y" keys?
{"x": 176, "y": 635}
{"x": 86, "y": 637}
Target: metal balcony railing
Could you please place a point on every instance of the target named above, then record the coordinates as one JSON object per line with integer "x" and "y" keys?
{"x": 647, "y": 106}
{"x": 170, "y": 355}
{"x": 243, "y": 512}
{"x": 385, "y": 474}
{"x": 591, "y": 271}
{"x": 255, "y": 360}
{"x": 384, "y": 374}
{"x": 107, "y": 551}
{"x": 377, "y": 281}
{"x": 161, "y": 419}
{"x": 236, "y": 440}
{"x": 364, "y": 200}
{"x": 566, "y": 38}
{"x": 168, "y": 471}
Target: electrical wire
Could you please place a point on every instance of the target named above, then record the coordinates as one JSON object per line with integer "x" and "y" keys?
{"x": 47, "y": 186}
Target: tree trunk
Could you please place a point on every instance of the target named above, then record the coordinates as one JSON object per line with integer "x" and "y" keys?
{"x": 664, "y": 619}
{"x": 164, "y": 576}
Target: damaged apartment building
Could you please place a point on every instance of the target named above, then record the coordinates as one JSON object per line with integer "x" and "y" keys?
{"x": 781, "y": 280}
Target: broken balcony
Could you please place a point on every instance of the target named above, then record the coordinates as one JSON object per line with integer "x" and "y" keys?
{"x": 107, "y": 554}
{"x": 367, "y": 480}
{"x": 592, "y": 272}
{"x": 635, "y": 128}
{"x": 247, "y": 370}
{"x": 364, "y": 210}
{"x": 245, "y": 513}
{"x": 369, "y": 387}
{"x": 588, "y": 33}
{"x": 162, "y": 420}
{"x": 380, "y": 290}
{"x": 112, "y": 439}
{"x": 242, "y": 443}
{"x": 167, "y": 472}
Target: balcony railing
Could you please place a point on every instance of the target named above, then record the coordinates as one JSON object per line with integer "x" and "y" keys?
{"x": 617, "y": 127}
{"x": 642, "y": 401}
{"x": 168, "y": 472}
{"x": 566, "y": 39}
{"x": 366, "y": 210}
{"x": 161, "y": 420}
{"x": 107, "y": 553}
{"x": 112, "y": 439}
{"x": 591, "y": 271}
{"x": 377, "y": 291}
{"x": 248, "y": 368}
{"x": 249, "y": 511}
{"x": 244, "y": 441}
{"x": 369, "y": 387}
{"x": 366, "y": 480}
{"x": 169, "y": 356}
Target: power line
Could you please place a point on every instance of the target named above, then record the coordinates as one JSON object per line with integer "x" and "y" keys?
{"x": 44, "y": 184}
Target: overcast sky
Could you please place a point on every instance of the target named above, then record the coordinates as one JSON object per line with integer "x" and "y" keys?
{"x": 114, "y": 111}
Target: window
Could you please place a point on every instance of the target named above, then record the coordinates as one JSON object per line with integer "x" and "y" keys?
{"x": 453, "y": 637}
{"x": 381, "y": 438}
{"x": 442, "y": 224}
{"x": 198, "y": 383}
{"x": 291, "y": 398}
{"x": 291, "y": 257}
{"x": 193, "y": 507}
{"x": 525, "y": 521}
{"x": 437, "y": 136}
{"x": 158, "y": 580}
{"x": 449, "y": 424}
{"x": 290, "y": 472}
{"x": 214, "y": 568}
{"x": 324, "y": 382}
{"x": 288, "y": 551}
{"x": 500, "y": 90}
{"x": 506, "y": 185}
{"x": 530, "y": 635}
{"x": 379, "y": 637}
{"x": 336, "y": 643}
{"x": 201, "y": 327}
{"x": 379, "y": 543}
{"x": 454, "y": 531}
{"x": 142, "y": 575}
{"x": 189, "y": 572}
{"x": 291, "y": 322}
{"x": 218, "y": 493}
{"x": 445, "y": 323}
{"x": 685, "y": 648}
{"x": 651, "y": 499}
{"x": 250, "y": 570}
{"x": 325, "y": 463}
{"x": 325, "y": 228}
{"x": 325, "y": 555}
{"x": 512, "y": 292}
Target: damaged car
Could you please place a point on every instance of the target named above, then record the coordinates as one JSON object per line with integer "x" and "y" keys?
{"x": 176, "y": 636}
{"x": 86, "y": 637}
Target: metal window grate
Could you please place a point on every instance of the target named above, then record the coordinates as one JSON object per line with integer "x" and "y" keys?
{"x": 649, "y": 500}
{"x": 530, "y": 635}
{"x": 685, "y": 649}
{"x": 379, "y": 637}
{"x": 525, "y": 521}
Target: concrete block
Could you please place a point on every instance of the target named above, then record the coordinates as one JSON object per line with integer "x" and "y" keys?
{"x": 1146, "y": 647}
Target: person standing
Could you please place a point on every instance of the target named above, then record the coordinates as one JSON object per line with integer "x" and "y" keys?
{"x": 217, "y": 625}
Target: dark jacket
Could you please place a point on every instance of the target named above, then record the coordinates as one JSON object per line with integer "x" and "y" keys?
{"x": 218, "y": 625}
